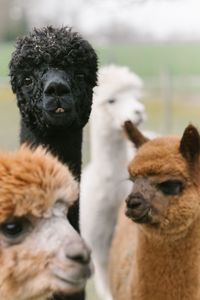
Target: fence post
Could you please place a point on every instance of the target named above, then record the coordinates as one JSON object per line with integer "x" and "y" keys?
{"x": 166, "y": 90}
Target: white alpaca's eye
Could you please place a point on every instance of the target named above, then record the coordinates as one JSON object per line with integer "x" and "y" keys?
{"x": 28, "y": 81}
{"x": 111, "y": 101}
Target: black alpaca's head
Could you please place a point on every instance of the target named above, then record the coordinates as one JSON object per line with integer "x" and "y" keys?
{"x": 53, "y": 72}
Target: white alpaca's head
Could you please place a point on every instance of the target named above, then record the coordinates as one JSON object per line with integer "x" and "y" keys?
{"x": 40, "y": 252}
{"x": 117, "y": 96}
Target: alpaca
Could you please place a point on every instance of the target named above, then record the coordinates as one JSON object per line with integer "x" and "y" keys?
{"x": 40, "y": 252}
{"x": 155, "y": 253}
{"x": 53, "y": 72}
{"x": 103, "y": 184}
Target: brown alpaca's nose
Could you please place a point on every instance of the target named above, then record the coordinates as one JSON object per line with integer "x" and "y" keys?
{"x": 134, "y": 202}
{"x": 78, "y": 252}
{"x": 137, "y": 208}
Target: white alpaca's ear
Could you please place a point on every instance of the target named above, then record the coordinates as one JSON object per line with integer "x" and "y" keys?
{"x": 134, "y": 135}
{"x": 190, "y": 144}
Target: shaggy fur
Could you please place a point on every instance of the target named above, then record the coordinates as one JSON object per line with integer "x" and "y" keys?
{"x": 104, "y": 185}
{"x": 54, "y": 69}
{"x": 55, "y": 49}
{"x": 40, "y": 252}
{"x": 156, "y": 252}
{"x": 53, "y": 72}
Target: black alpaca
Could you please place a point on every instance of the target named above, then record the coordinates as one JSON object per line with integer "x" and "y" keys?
{"x": 53, "y": 72}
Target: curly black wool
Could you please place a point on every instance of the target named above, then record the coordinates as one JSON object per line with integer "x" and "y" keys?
{"x": 58, "y": 48}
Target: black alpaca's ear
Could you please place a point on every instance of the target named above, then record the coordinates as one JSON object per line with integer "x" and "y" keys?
{"x": 134, "y": 135}
{"x": 190, "y": 144}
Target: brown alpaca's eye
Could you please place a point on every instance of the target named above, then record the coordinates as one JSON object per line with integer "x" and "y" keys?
{"x": 170, "y": 187}
{"x": 13, "y": 228}
{"x": 28, "y": 81}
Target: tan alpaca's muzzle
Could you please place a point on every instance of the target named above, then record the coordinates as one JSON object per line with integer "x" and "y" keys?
{"x": 138, "y": 209}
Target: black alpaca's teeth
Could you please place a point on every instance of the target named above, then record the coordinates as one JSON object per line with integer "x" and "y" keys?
{"x": 59, "y": 110}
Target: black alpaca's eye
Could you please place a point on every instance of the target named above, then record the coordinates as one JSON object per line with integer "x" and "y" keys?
{"x": 13, "y": 228}
{"x": 111, "y": 101}
{"x": 80, "y": 76}
{"x": 28, "y": 81}
{"x": 171, "y": 187}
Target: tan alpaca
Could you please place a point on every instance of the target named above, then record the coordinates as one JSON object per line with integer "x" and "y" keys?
{"x": 155, "y": 253}
{"x": 40, "y": 252}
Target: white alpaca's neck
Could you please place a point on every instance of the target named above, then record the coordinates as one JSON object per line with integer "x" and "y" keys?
{"x": 167, "y": 270}
{"x": 108, "y": 145}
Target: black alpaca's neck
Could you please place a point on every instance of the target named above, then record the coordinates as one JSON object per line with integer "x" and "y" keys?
{"x": 65, "y": 144}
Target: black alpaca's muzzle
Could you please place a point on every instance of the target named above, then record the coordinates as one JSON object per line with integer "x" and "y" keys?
{"x": 57, "y": 103}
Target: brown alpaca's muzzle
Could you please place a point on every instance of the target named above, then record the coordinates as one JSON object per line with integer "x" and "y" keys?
{"x": 138, "y": 209}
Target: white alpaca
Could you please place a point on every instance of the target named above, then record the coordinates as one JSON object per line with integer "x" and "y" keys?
{"x": 104, "y": 185}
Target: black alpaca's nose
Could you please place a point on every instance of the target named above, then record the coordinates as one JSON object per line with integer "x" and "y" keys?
{"x": 79, "y": 253}
{"x": 56, "y": 88}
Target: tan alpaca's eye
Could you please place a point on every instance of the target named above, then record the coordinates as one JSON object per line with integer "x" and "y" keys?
{"x": 132, "y": 178}
{"x": 28, "y": 81}
{"x": 14, "y": 227}
{"x": 170, "y": 187}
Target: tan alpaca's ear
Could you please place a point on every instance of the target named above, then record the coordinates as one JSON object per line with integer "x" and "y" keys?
{"x": 190, "y": 144}
{"x": 134, "y": 135}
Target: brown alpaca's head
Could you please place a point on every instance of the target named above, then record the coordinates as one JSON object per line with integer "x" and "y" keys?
{"x": 165, "y": 197}
{"x": 40, "y": 252}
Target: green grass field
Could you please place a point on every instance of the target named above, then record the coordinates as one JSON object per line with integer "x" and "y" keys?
{"x": 5, "y": 55}
{"x": 150, "y": 59}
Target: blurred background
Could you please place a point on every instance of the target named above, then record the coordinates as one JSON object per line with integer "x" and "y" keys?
{"x": 157, "y": 39}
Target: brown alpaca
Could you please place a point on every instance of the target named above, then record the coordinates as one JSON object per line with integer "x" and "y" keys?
{"x": 155, "y": 253}
{"x": 40, "y": 252}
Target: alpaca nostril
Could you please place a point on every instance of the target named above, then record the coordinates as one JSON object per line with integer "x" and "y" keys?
{"x": 56, "y": 89}
{"x": 134, "y": 202}
{"x": 81, "y": 255}
{"x": 139, "y": 116}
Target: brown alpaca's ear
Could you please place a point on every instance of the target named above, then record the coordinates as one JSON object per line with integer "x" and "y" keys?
{"x": 190, "y": 144}
{"x": 134, "y": 135}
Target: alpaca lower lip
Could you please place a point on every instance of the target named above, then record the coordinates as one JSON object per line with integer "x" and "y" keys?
{"x": 59, "y": 119}
{"x": 56, "y": 114}
{"x": 143, "y": 218}
{"x": 77, "y": 277}
{"x": 77, "y": 282}
{"x": 59, "y": 110}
